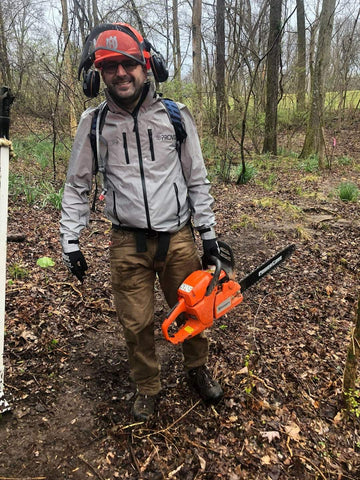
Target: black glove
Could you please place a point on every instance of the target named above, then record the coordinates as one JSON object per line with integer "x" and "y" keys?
{"x": 76, "y": 263}
{"x": 211, "y": 249}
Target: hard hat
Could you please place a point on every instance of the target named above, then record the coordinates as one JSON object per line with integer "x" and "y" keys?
{"x": 121, "y": 43}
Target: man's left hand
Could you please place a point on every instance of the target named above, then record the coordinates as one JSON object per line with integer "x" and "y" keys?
{"x": 211, "y": 249}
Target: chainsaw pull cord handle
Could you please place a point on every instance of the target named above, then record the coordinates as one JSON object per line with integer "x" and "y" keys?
{"x": 216, "y": 275}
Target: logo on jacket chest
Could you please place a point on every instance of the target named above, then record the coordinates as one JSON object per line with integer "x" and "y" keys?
{"x": 166, "y": 137}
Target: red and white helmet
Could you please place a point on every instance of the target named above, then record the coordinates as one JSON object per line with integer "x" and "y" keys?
{"x": 120, "y": 43}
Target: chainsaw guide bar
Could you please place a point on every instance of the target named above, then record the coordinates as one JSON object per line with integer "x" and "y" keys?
{"x": 205, "y": 296}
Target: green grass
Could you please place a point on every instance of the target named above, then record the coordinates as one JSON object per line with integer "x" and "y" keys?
{"x": 39, "y": 152}
{"x": 348, "y": 192}
{"x": 34, "y": 192}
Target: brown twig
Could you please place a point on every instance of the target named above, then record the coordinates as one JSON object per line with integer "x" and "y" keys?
{"x": 90, "y": 466}
{"x": 26, "y": 478}
{"x": 172, "y": 424}
{"x": 312, "y": 464}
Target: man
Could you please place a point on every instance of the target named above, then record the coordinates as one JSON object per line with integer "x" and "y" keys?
{"x": 152, "y": 192}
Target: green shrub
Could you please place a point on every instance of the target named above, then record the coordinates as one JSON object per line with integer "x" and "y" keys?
{"x": 249, "y": 174}
{"x": 310, "y": 164}
{"x": 17, "y": 272}
{"x": 348, "y": 192}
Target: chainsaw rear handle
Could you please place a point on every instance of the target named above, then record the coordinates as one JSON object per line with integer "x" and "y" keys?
{"x": 225, "y": 262}
{"x": 216, "y": 275}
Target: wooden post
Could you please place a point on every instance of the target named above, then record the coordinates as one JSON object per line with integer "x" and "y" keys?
{"x": 6, "y": 100}
{"x": 4, "y": 174}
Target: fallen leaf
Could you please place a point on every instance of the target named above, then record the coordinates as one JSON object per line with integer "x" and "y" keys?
{"x": 292, "y": 430}
{"x": 202, "y": 463}
{"x": 271, "y": 435}
{"x": 266, "y": 460}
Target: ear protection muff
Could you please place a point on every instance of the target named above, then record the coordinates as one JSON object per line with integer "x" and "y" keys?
{"x": 91, "y": 83}
{"x": 157, "y": 63}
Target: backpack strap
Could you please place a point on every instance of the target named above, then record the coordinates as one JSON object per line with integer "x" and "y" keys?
{"x": 97, "y": 124}
{"x": 175, "y": 117}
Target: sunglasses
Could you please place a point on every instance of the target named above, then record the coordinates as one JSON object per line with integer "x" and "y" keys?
{"x": 112, "y": 67}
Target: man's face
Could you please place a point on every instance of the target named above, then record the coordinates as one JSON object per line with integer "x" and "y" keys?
{"x": 125, "y": 81}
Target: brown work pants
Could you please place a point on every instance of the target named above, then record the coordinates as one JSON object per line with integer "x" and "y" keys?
{"x": 133, "y": 277}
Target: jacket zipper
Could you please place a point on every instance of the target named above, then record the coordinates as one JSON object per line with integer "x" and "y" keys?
{"x": 114, "y": 208}
{"x": 142, "y": 174}
{"x": 126, "y": 148}
{"x": 151, "y": 144}
{"x": 178, "y": 203}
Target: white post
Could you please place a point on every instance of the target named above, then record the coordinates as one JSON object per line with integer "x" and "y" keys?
{"x": 4, "y": 186}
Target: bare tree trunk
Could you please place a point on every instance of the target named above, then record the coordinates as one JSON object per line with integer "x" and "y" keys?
{"x": 352, "y": 359}
{"x": 314, "y": 140}
{"x": 69, "y": 77}
{"x": 196, "y": 62}
{"x": 346, "y": 63}
{"x": 4, "y": 58}
{"x": 272, "y": 80}
{"x": 301, "y": 57}
{"x": 135, "y": 11}
{"x": 95, "y": 13}
{"x": 176, "y": 42}
{"x": 220, "y": 68}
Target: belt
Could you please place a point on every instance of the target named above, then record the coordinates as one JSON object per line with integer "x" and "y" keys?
{"x": 141, "y": 235}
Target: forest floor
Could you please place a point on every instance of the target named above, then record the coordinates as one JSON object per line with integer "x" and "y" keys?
{"x": 279, "y": 356}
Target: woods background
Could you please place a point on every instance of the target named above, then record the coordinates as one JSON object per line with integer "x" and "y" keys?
{"x": 245, "y": 68}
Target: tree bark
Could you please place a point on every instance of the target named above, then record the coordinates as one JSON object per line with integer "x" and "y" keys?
{"x": 220, "y": 68}
{"x": 4, "y": 58}
{"x": 69, "y": 77}
{"x": 314, "y": 140}
{"x": 176, "y": 42}
{"x": 352, "y": 359}
{"x": 272, "y": 78}
{"x": 196, "y": 62}
{"x": 301, "y": 57}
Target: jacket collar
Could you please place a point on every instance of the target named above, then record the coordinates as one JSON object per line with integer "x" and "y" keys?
{"x": 148, "y": 97}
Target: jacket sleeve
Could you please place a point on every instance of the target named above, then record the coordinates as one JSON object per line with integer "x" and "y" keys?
{"x": 75, "y": 210}
{"x": 195, "y": 174}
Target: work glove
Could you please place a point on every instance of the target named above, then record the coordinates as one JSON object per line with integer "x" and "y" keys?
{"x": 76, "y": 263}
{"x": 210, "y": 249}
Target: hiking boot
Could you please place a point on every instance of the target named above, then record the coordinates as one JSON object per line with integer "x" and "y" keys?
{"x": 208, "y": 388}
{"x": 144, "y": 407}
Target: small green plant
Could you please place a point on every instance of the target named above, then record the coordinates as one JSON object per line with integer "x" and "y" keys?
{"x": 51, "y": 196}
{"x": 344, "y": 161}
{"x": 45, "y": 262}
{"x": 353, "y": 402}
{"x": 17, "y": 272}
{"x": 348, "y": 192}
{"x": 249, "y": 174}
{"x": 270, "y": 182}
{"x": 310, "y": 164}
{"x": 245, "y": 221}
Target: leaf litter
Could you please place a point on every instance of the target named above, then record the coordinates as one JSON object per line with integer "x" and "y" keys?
{"x": 280, "y": 358}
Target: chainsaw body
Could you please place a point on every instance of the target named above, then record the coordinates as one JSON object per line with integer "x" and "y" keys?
{"x": 203, "y": 297}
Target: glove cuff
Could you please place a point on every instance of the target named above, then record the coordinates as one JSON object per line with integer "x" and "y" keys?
{"x": 207, "y": 233}
{"x": 70, "y": 246}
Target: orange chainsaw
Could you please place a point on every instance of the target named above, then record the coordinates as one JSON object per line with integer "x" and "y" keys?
{"x": 207, "y": 295}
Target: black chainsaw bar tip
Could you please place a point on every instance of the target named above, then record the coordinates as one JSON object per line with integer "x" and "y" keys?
{"x": 266, "y": 267}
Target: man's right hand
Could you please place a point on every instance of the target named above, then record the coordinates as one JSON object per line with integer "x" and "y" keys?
{"x": 76, "y": 263}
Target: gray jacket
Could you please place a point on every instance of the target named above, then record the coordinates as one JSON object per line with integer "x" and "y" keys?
{"x": 148, "y": 187}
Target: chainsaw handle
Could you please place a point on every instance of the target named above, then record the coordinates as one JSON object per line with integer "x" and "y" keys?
{"x": 215, "y": 277}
